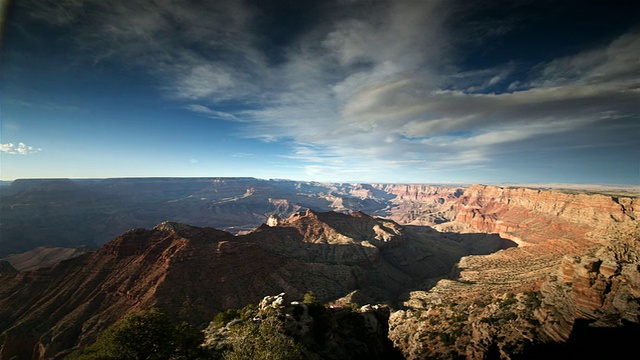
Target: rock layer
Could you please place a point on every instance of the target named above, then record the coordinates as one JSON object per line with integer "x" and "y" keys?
{"x": 505, "y": 303}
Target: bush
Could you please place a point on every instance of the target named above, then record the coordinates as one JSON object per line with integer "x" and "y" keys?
{"x": 263, "y": 341}
{"x": 146, "y": 335}
{"x": 310, "y": 299}
{"x": 222, "y": 318}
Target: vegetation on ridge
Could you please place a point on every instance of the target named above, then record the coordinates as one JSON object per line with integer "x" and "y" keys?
{"x": 146, "y": 335}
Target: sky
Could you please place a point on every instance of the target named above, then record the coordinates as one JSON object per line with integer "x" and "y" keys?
{"x": 334, "y": 91}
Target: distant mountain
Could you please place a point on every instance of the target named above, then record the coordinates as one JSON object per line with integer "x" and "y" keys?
{"x": 72, "y": 213}
{"x": 43, "y": 257}
{"x": 195, "y": 272}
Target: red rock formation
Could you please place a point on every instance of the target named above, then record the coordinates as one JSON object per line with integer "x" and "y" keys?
{"x": 602, "y": 288}
{"x": 51, "y": 308}
{"x": 535, "y": 216}
{"x": 489, "y": 300}
{"x": 193, "y": 273}
{"x": 528, "y": 216}
{"x": 422, "y": 204}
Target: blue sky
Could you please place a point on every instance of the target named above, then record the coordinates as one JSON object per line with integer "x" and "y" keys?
{"x": 343, "y": 91}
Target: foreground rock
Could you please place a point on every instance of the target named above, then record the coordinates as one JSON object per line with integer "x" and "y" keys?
{"x": 316, "y": 331}
{"x": 456, "y": 319}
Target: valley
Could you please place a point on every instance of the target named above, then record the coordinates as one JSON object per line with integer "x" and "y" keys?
{"x": 468, "y": 271}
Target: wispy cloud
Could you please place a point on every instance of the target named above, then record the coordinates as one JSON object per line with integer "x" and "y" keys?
{"x": 615, "y": 65}
{"x": 19, "y": 149}
{"x": 375, "y": 83}
{"x": 211, "y": 113}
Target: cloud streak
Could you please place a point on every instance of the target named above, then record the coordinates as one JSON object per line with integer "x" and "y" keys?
{"x": 375, "y": 83}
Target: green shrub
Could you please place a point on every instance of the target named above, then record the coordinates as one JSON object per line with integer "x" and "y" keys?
{"x": 222, "y": 318}
{"x": 310, "y": 299}
{"x": 146, "y": 335}
{"x": 263, "y": 341}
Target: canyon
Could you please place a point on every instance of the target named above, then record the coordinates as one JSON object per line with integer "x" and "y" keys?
{"x": 577, "y": 260}
{"x": 472, "y": 271}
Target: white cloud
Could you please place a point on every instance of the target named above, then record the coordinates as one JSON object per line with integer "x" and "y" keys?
{"x": 375, "y": 83}
{"x": 211, "y": 113}
{"x": 616, "y": 65}
{"x": 20, "y": 149}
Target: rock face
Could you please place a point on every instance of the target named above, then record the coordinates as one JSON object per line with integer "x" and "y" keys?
{"x": 541, "y": 215}
{"x": 602, "y": 288}
{"x": 320, "y": 332}
{"x": 514, "y": 213}
{"x": 577, "y": 262}
{"x": 6, "y": 267}
{"x": 422, "y": 204}
{"x": 195, "y": 272}
{"x": 456, "y": 319}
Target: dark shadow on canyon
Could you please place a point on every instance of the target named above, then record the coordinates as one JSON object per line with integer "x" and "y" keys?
{"x": 588, "y": 342}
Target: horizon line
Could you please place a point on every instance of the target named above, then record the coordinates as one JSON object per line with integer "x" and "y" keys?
{"x": 551, "y": 185}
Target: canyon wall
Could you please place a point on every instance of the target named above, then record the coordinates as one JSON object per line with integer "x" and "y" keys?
{"x": 577, "y": 260}
{"x": 526, "y": 215}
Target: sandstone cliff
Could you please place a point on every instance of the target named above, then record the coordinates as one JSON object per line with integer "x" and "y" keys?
{"x": 422, "y": 204}
{"x": 515, "y": 213}
{"x": 505, "y": 304}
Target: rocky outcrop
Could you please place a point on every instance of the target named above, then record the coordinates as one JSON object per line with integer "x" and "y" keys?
{"x": 603, "y": 289}
{"x": 319, "y": 332}
{"x": 194, "y": 273}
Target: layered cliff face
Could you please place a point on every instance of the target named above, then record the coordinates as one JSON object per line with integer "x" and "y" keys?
{"x": 576, "y": 261}
{"x": 603, "y": 288}
{"x": 195, "y": 272}
{"x": 534, "y": 216}
{"x": 526, "y": 215}
{"x": 468, "y": 319}
{"x": 422, "y": 204}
